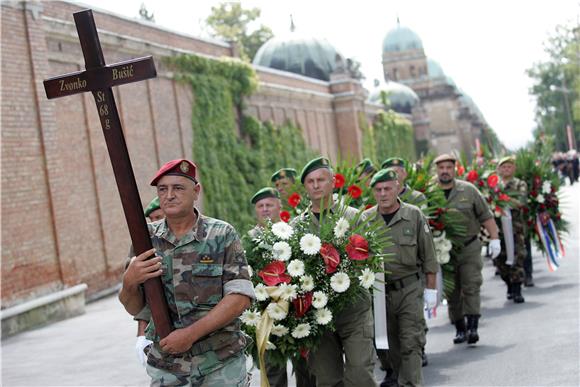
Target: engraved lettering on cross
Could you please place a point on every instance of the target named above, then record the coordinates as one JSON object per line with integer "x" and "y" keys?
{"x": 98, "y": 78}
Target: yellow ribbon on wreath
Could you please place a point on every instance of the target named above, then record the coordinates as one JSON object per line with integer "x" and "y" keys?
{"x": 264, "y": 328}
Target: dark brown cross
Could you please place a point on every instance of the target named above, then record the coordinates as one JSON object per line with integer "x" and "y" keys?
{"x": 98, "y": 78}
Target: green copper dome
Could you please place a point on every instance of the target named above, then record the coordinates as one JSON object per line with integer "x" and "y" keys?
{"x": 401, "y": 39}
{"x": 299, "y": 54}
{"x": 434, "y": 69}
{"x": 401, "y": 98}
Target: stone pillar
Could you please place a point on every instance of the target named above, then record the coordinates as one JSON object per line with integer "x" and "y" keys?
{"x": 349, "y": 110}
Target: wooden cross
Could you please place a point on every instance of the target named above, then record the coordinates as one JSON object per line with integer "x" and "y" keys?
{"x": 98, "y": 78}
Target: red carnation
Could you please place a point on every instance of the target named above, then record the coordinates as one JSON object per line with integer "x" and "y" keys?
{"x": 357, "y": 248}
{"x": 338, "y": 180}
{"x": 542, "y": 207}
{"x": 460, "y": 170}
{"x": 354, "y": 191}
{"x": 304, "y": 352}
{"x": 294, "y": 200}
{"x": 534, "y": 193}
{"x": 369, "y": 206}
{"x": 285, "y": 216}
{"x": 472, "y": 176}
{"x": 537, "y": 181}
{"x": 274, "y": 273}
{"x": 302, "y": 304}
{"x": 330, "y": 256}
{"x": 525, "y": 210}
{"x": 530, "y": 222}
{"x": 480, "y": 183}
{"x": 492, "y": 180}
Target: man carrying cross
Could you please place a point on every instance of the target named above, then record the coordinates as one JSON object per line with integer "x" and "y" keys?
{"x": 205, "y": 277}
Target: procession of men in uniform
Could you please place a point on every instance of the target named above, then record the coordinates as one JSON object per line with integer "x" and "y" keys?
{"x": 208, "y": 288}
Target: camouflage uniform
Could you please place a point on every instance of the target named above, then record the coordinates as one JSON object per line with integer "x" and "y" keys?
{"x": 353, "y": 336}
{"x": 411, "y": 256}
{"x": 201, "y": 268}
{"x": 514, "y": 274}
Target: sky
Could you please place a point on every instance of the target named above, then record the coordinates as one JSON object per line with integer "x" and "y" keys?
{"x": 484, "y": 46}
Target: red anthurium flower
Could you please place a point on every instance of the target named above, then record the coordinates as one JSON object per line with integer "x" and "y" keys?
{"x": 274, "y": 273}
{"x": 294, "y": 199}
{"x": 368, "y": 206}
{"x": 354, "y": 191}
{"x": 357, "y": 248}
{"x": 284, "y": 216}
{"x": 472, "y": 176}
{"x": 338, "y": 180}
{"x": 492, "y": 180}
{"x": 460, "y": 170}
{"x": 330, "y": 256}
{"x": 504, "y": 198}
{"x": 302, "y": 304}
{"x": 499, "y": 210}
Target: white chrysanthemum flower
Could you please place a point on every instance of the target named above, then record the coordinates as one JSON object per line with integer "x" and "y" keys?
{"x": 443, "y": 258}
{"x": 540, "y": 199}
{"x": 287, "y": 292}
{"x": 295, "y": 268}
{"x": 276, "y": 312}
{"x": 546, "y": 187}
{"x": 282, "y": 230}
{"x": 250, "y": 317}
{"x": 301, "y": 330}
{"x": 319, "y": 300}
{"x": 307, "y": 283}
{"x": 367, "y": 278}
{"x": 270, "y": 346}
{"x": 261, "y": 293}
{"x": 340, "y": 282}
{"x": 323, "y": 316}
{"x": 254, "y": 233}
{"x": 279, "y": 330}
{"x": 281, "y": 251}
{"x": 310, "y": 244}
{"x": 341, "y": 228}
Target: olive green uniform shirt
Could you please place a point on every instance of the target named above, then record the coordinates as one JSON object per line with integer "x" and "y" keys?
{"x": 413, "y": 197}
{"x": 413, "y": 250}
{"x": 469, "y": 201}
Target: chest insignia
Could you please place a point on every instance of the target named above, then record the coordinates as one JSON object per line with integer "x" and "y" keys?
{"x": 408, "y": 232}
{"x": 206, "y": 259}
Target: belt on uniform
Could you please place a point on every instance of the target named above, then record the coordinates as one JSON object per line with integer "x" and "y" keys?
{"x": 402, "y": 282}
{"x": 470, "y": 240}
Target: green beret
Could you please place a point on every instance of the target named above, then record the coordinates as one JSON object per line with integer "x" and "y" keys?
{"x": 507, "y": 159}
{"x": 317, "y": 163}
{"x": 154, "y": 205}
{"x": 266, "y": 192}
{"x": 388, "y": 174}
{"x": 394, "y": 162}
{"x": 282, "y": 173}
{"x": 365, "y": 166}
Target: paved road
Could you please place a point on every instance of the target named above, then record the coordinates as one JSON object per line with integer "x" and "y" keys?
{"x": 531, "y": 344}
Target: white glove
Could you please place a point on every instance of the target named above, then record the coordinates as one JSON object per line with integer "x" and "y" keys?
{"x": 140, "y": 345}
{"x": 494, "y": 248}
{"x": 430, "y": 297}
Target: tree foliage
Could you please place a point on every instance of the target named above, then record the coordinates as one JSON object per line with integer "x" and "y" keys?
{"x": 557, "y": 86}
{"x": 231, "y": 22}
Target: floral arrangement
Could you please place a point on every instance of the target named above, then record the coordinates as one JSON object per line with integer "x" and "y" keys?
{"x": 302, "y": 279}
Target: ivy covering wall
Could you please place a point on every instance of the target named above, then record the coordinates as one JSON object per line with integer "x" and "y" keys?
{"x": 390, "y": 135}
{"x": 234, "y": 165}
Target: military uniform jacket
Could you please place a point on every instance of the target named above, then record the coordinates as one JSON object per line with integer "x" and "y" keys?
{"x": 412, "y": 196}
{"x": 469, "y": 201}
{"x": 519, "y": 189}
{"x": 413, "y": 250}
{"x": 201, "y": 268}
{"x": 349, "y": 214}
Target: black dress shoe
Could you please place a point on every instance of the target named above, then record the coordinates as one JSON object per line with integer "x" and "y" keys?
{"x": 529, "y": 282}
{"x": 424, "y": 360}
{"x": 389, "y": 381}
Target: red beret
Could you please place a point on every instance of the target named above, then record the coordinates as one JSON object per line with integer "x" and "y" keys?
{"x": 179, "y": 167}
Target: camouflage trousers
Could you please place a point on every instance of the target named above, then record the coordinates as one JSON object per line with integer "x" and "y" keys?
{"x": 205, "y": 370}
{"x": 515, "y": 273}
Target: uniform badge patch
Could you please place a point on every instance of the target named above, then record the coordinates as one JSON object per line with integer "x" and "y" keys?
{"x": 408, "y": 231}
{"x": 206, "y": 259}
{"x": 184, "y": 167}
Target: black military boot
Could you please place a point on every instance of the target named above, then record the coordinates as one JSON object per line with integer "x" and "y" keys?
{"x": 509, "y": 295}
{"x": 424, "y": 360}
{"x": 517, "y": 293}
{"x": 472, "y": 323}
{"x": 529, "y": 281}
{"x": 460, "y": 332}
